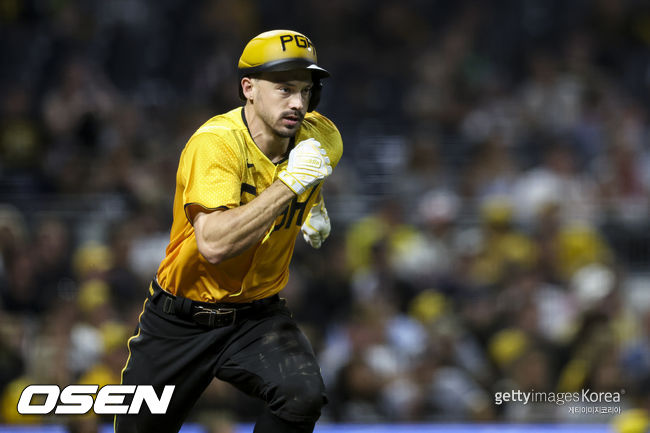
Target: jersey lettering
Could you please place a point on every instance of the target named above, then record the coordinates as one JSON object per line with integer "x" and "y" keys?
{"x": 290, "y": 212}
{"x": 245, "y": 187}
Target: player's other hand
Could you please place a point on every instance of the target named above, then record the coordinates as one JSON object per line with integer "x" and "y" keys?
{"x": 307, "y": 166}
{"x": 316, "y": 227}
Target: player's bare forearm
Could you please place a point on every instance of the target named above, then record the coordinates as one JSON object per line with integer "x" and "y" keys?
{"x": 221, "y": 235}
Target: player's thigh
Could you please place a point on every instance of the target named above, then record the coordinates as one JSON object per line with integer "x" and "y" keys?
{"x": 273, "y": 360}
{"x": 168, "y": 351}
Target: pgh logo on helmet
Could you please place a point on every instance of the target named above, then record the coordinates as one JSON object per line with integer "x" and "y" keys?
{"x": 282, "y": 50}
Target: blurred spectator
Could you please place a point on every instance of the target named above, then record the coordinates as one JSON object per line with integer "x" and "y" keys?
{"x": 557, "y": 180}
{"x": 88, "y": 337}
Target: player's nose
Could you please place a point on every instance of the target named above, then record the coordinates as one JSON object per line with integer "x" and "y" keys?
{"x": 296, "y": 102}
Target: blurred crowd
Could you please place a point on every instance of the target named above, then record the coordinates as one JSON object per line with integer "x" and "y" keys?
{"x": 490, "y": 214}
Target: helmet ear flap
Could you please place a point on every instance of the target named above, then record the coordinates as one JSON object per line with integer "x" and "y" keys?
{"x": 315, "y": 95}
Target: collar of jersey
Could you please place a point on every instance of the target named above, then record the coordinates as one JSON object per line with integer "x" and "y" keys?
{"x": 292, "y": 140}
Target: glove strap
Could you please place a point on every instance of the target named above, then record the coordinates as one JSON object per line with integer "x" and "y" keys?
{"x": 291, "y": 182}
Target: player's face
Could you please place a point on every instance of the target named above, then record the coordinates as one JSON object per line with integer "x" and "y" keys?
{"x": 281, "y": 100}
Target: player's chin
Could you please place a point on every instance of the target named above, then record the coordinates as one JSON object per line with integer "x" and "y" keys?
{"x": 287, "y": 131}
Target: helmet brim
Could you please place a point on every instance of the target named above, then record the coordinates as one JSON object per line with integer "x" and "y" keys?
{"x": 285, "y": 65}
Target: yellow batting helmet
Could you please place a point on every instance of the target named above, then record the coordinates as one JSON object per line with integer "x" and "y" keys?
{"x": 282, "y": 50}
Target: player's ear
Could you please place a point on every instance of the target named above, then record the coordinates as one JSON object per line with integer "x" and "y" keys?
{"x": 247, "y": 86}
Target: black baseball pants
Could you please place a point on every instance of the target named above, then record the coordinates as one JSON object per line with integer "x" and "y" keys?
{"x": 265, "y": 355}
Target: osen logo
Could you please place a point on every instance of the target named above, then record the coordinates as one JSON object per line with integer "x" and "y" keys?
{"x": 78, "y": 399}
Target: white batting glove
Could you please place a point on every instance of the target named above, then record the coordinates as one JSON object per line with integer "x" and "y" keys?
{"x": 308, "y": 165}
{"x": 316, "y": 227}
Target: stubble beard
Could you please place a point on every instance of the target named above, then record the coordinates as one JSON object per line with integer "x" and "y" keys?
{"x": 285, "y": 132}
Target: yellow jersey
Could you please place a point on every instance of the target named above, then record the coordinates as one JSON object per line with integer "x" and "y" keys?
{"x": 221, "y": 167}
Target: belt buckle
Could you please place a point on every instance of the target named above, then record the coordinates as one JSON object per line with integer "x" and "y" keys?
{"x": 215, "y": 317}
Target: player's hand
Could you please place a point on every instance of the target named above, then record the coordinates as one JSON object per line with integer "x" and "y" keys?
{"x": 307, "y": 166}
{"x": 317, "y": 226}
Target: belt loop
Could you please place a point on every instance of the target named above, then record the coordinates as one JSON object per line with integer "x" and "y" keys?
{"x": 182, "y": 306}
{"x": 168, "y": 305}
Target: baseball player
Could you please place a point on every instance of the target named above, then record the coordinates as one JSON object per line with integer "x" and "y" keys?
{"x": 248, "y": 182}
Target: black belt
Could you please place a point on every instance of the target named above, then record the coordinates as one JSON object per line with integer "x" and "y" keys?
{"x": 211, "y": 315}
